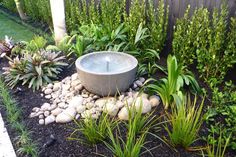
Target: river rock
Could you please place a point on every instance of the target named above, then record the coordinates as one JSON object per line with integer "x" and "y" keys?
{"x": 48, "y": 91}
{"x": 66, "y": 116}
{"x": 46, "y": 113}
{"x": 80, "y": 108}
{"x": 56, "y": 86}
{"x": 78, "y": 87}
{"x": 41, "y": 121}
{"x": 49, "y": 119}
{"x": 76, "y": 101}
{"x": 139, "y": 83}
{"x": 45, "y": 106}
{"x": 144, "y": 104}
{"x": 123, "y": 114}
{"x": 61, "y": 104}
{"x": 141, "y": 79}
{"x": 154, "y": 100}
{"x": 102, "y": 101}
{"x": 89, "y": 105}
{"x": 56, "y": 111}
{"x": 48, "y": 96}
{"x": 111, "y": 109}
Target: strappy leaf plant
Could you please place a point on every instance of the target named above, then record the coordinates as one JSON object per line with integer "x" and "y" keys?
{"x": 172, "y": 87}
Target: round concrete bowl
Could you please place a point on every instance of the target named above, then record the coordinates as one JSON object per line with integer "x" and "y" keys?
{"x": 106, "y": 73}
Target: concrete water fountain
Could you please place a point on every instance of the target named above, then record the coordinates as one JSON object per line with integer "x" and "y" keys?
{"x": 106, "y": 73}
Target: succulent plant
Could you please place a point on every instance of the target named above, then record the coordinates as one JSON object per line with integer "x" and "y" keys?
{"x": 35, "y": 69}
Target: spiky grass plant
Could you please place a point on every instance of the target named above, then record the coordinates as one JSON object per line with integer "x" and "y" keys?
{"x": 137, "y": 127}
{"x": 185, "y": 121}
{"x": 93, "y": 130}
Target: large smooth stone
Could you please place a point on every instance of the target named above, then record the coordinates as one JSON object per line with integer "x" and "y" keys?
{"x": 111, "y": 108}
{"x": 56, "y": 111}
{"x": 144, "y": 104}
{"x": 102, "y": 101}
{"x": 123, "y": 114}
{"x": 154, "y": 100}
{"x": 76, "y": 101}
{"x": 45, "y": 106}
{"x": 66, "y": 116}
{"x": 48, "y": 91}
{"x": 50, "y": 119}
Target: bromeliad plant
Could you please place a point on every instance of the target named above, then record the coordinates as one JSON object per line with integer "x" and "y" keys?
{"x": 35, "y": 69}
{"x": 185, "y": 121}
{"x": 172, "y": 87}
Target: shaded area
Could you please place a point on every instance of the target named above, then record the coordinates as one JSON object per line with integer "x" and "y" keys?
{"x": 13, "y": 29}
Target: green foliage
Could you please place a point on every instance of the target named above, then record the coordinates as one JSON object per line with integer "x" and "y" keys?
{"x": 35, "y": 69}
{"x": 9, "y": 4}
{"x": 135, "y": 16}
{"x": 185, "y": 121}
{"x": 137, "y": 129}
{"x": 203, "y": 39}
{"x": 36, "y": 44}
{"x": 38, "y": 10}
{"x": 93, "y": 130}
{"x": 171, "y": 88}
{"x": 222, "y": 115}
{"x": 157, "y": 24}
{"x": 65, "y": 45}
{"x": 25, "y": 146}
{"x": 215, "y": 150}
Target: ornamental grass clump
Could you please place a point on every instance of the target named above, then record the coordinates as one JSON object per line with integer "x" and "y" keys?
{"x": 93, "y": 130}
{"x": 137, "y": 128}
{"x": 185, "y": 121}
{"x": 36, "y": 69}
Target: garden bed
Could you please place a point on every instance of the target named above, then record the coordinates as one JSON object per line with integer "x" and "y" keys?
{"x": 27, "y": 99}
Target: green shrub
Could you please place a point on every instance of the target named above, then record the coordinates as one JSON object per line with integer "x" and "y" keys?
{"x": 222, "y": 115}
{"x": 35, "y": 69}
{"x": 38, "y": 10}
{"x": 185, "y": 121}
{"x": 93, "y": 130}
{"x": 203, "y": 40}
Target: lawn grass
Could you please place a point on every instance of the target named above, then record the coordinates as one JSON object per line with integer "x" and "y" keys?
{"x": 13, "y": 29}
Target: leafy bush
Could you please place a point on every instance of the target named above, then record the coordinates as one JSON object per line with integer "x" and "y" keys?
{"x": 222, "y": 115}
{"x": 34, "y": 69}
{"x": 171, "y": 88}
{"x": 205, "y": 40}
{"x": 93, "y": 130}
{"x": 185, "y": 122}
{"x": 36, "y": 44}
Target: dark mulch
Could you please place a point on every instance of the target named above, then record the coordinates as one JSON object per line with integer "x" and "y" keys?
{"x": 62, "y": 147}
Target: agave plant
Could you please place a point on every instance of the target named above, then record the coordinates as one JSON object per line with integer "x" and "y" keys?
{"x": 171, "y": 88}
{"x": 35, "y": 69}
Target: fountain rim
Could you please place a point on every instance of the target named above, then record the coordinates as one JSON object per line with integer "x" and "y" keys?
{"x": 80, "y": 67}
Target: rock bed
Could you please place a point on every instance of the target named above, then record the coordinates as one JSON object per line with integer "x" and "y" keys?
{"x": 68, "y": 99}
